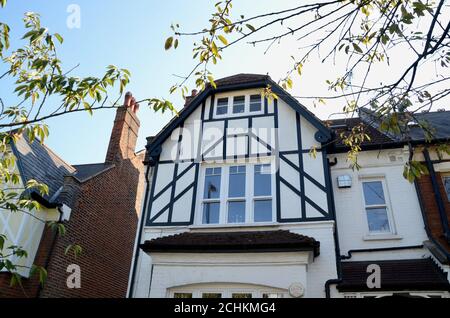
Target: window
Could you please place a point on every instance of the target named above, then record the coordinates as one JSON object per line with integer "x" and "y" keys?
{"x": 241, "y": 295}
{"x": 182, "y": 295}
{"x": 234, "y": 106}
{"x": 211, "y": 196}
{"x": 272, "y": 295}
{"x": 263, "y": 192}
{"x": 222, "y": 106}
{"x": 446, "y": 180}
{"x": 238, "y": 104}
{"x": 255, "y": 103}
{"x": 376, "y": 207}
{"x": 211, "y": 295}
{"x": 246, "y": 196}
{"x": 236, "y": 195}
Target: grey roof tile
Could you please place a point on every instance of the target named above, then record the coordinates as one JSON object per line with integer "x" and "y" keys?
{"x": 37, "y": 161}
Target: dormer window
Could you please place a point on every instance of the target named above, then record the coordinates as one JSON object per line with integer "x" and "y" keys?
{"x": 222, "y": 106}
{"x": 238, "y": 104}
{"x": 255, "y": 103}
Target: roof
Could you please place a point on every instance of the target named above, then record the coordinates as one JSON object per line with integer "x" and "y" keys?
{"x": 410, "y": 274}
{"x": 234, "y": 82}
{"x": 241, "y": 78}
{"x": 345, "y": 125}
{"x": 439, "y": 122}
{"x": 87, "y": 171}
{"x": 37, "y": 161}
{"x": 250, "y": 241}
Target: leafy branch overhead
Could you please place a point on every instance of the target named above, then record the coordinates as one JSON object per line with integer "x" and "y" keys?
{"x": 363, "y": 35}
{"x": 44, "y": 88}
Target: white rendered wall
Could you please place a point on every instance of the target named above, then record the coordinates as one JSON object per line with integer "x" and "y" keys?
{"x": 404, "y": 205}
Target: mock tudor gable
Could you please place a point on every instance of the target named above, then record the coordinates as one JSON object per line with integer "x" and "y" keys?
{"x": 234, "y": 122}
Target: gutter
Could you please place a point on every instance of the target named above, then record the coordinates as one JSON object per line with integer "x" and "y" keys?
{"x": 382, "y": 249}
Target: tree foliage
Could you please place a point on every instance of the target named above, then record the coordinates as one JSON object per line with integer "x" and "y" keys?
{"x": 362, "y": 34}
{"x": 38, "y": 75}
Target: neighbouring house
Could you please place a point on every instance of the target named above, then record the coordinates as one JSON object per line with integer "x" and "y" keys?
{"x": 98, "y": 204}
{"x": 434, "y": 188}
{"x": 237, "y": 205}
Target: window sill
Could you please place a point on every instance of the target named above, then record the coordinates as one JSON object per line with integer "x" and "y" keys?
{"x": 379, "y": 237}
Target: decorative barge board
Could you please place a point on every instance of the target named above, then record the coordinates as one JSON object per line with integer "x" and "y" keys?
{"x": 281, "y": 132}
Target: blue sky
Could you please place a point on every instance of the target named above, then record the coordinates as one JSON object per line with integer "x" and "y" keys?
{"x": 128, "y": 34}
{"x": 131, "y": 35}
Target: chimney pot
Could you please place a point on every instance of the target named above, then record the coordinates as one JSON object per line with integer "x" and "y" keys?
{"x": 128, "y": 99}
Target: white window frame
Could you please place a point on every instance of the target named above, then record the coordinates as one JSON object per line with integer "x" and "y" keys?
{"x": 230, "y": 113}
{"x": 446, "y": 176}
{"x": 227, "y": 293}
{"x": 224, "y": 199}
{"x": 387, "y": 205}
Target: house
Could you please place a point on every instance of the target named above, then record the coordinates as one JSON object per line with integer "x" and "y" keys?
{"x": 434, "y": 188}
{"x": 97, "y": 203}
{"x": 379, "y": 218}
{"x": 237, "y": 205}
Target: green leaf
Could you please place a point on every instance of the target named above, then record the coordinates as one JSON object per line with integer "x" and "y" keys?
{"x": 223, "y": 39}
{"x": 59, "y": 38}
{"x": 357, "y": 48}
{"x": 168, "y": 43}
{"x": 251, "y": 27}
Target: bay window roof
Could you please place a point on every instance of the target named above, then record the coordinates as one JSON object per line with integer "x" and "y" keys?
{"x": 248, "y": 241}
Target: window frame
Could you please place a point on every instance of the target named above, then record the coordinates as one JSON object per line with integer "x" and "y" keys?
{"x": 211, "y": 200}
{"x": 197, "y": 292}
{"x": 224, "y": 199}
{"x": 216, "y": 106}
{"x": 386, "y": 205}
{"x": 446, "y": 176}
{"x": 230, "y": 105}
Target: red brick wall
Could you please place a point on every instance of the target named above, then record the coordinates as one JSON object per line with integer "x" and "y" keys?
{"x": 431, "y": 208}
{"x": 104, "y": 220}
{"x": 104, "y": 223}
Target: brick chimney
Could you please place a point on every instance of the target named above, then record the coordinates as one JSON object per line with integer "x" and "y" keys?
{"x": 124, "y": 133}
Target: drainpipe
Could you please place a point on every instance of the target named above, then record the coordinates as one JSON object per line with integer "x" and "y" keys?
{"x": 52, "y": 248}
{"x": 425, "y": 222}
{"x": 139, "y": 237}
{"x": 337, "y": 250}
{"x": 437, "y": 196}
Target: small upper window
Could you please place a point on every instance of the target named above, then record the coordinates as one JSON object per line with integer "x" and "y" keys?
{"x": 446, "y": 181}
{"x": 255, "y": 103}
{"x": 376, "y": 207}
{"x": 222, "y": 106}
{"x": 182, "y": 295}
{"x": 238, "y": 104}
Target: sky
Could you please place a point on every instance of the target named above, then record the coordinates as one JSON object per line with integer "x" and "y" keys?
{"x": 131, "y": 35}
